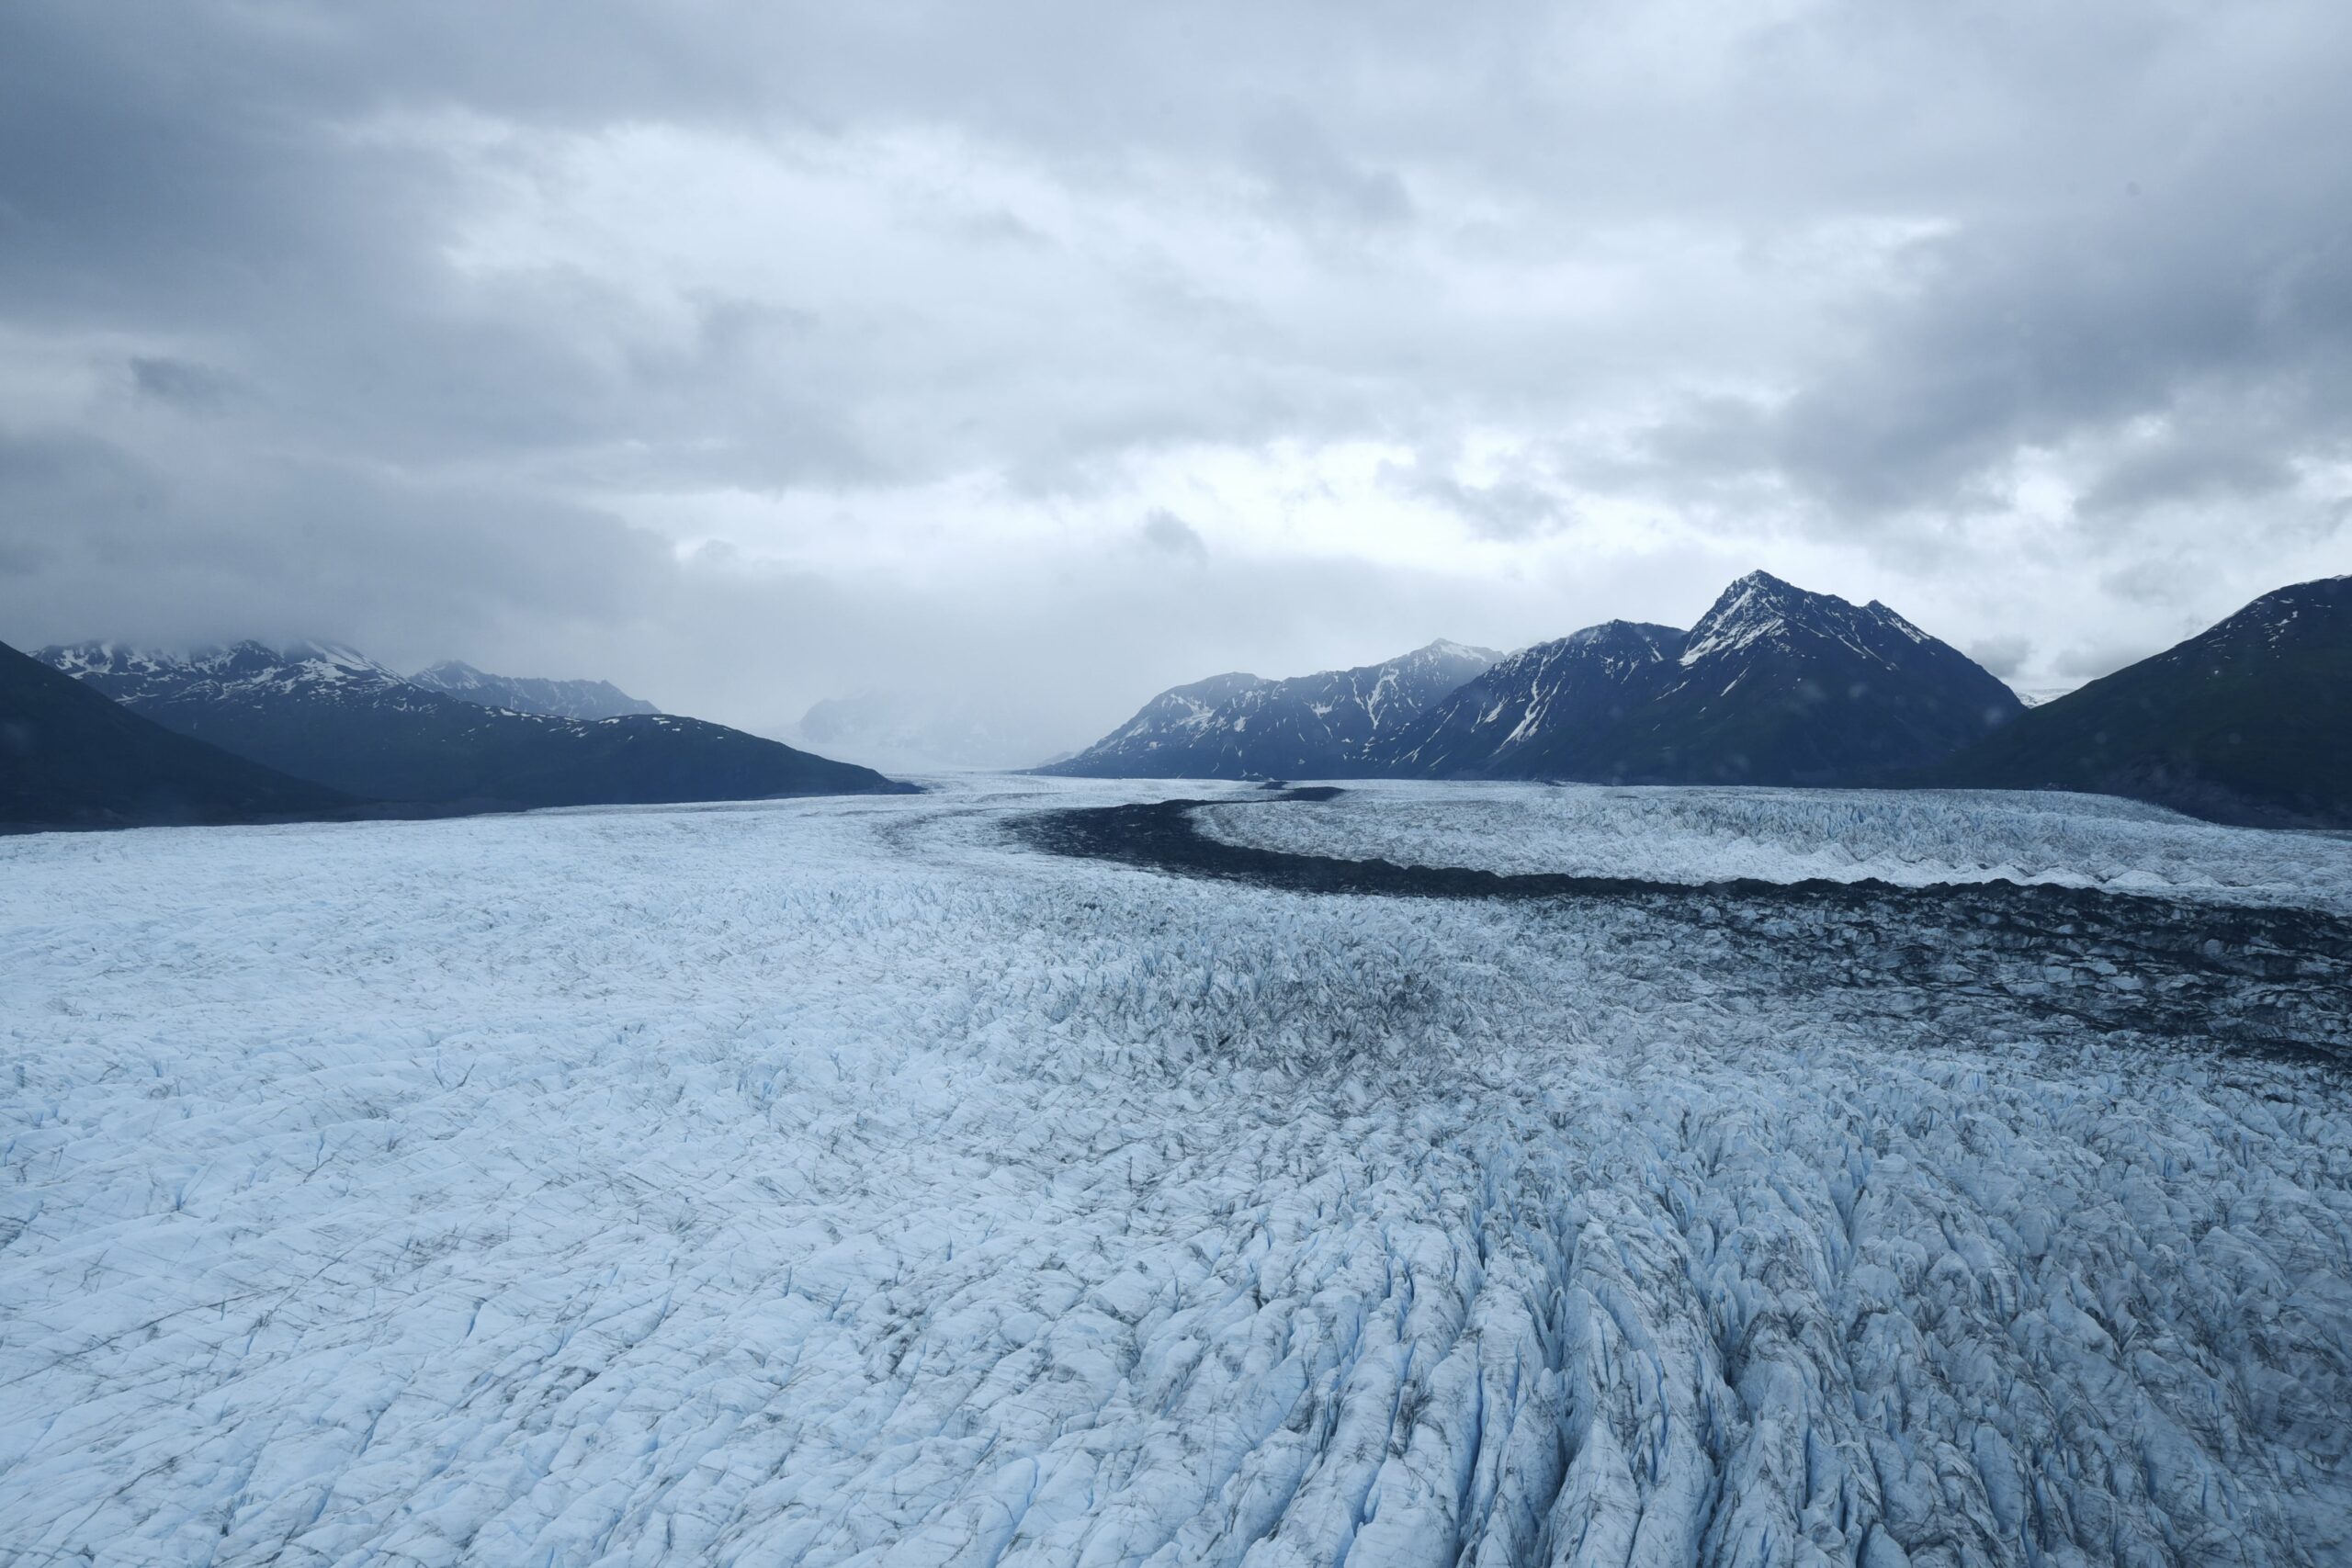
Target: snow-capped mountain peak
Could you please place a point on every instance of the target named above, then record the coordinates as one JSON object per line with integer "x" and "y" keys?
{"x": 1761, "y": 611}
{"x": 1756, "y": 607}
{"x": 129, "y": 673}
{"x": 1773, "y": 684}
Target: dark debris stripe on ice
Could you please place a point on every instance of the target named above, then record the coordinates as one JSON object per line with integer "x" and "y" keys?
{"x": 2247, "y": 977}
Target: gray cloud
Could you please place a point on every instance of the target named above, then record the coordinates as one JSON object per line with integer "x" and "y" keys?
{"x": 2197, "y": 470}
{"x": 2004, "y": 655}
{"x": 1523, "y": 501}
{"x": 1306, "y": 174}
{"x": 197, "y": 388}
{"x": 1170, "y": 535}
{"x": 581, "y": 337}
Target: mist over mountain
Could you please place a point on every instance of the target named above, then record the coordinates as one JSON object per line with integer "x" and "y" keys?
{"x": 555, "y": 699}
{"x": 911, "y": 730}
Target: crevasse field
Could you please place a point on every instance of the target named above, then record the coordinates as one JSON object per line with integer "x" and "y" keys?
{"x": 855, "y": 1181}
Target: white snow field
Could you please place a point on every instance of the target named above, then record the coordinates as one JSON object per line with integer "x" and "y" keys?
{"x": 1918, "y": 838}
{"x": 853, "y": 1182}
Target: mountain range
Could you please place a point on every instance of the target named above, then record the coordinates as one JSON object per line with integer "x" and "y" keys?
{"x": 1337, "y": 723}
{"x": 520, "y": 694}
{"x": 2250, "y": 721}
{"x": 328, "y": 716}
{"x": 1773, "y": 684}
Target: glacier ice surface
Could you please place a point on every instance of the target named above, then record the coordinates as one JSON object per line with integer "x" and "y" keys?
{"x": 845, "y": 1182}
{"x": 1913, "y": 837}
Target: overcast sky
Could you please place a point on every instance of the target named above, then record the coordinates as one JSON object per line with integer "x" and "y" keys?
{"x": 1052, "y": 354}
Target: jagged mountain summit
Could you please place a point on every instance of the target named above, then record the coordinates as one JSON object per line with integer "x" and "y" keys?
{"x": 71, "y": 758}
{"x": 523, "y": 693}
{"x": 330, "y": 714}
{"x": 1774, "y": 685}
{"x": 2248, "y": 721}
{"x": 1335, "y": 724}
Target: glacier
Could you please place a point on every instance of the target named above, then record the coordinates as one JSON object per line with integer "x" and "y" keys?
{"x": 851, "y": 1182}
{"x": 1912, "y": 838}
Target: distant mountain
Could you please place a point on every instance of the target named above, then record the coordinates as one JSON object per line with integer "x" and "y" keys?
{"x": 1773, "y": 685}
{"x": 930, "y": 730}
{"x": 2249, "y": 721}
{"x": 324, "y": 713}
{"x": 522, "y": 693}
{"x": 71, "y": 758}
{"x": 1332, "y": 724}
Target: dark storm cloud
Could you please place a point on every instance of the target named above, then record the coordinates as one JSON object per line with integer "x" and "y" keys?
{"x": 454, "y": 327}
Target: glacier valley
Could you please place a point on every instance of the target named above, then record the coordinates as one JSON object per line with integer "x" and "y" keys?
{"x": 867, "y": 1181}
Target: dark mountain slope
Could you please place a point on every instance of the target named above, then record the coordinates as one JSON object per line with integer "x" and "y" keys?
{"x": 71, "y": 758}
{"x": 2249, "y": 721}
{"x": 1336, "y": 723}
{"x": 327, "y": 714}
{"x": 1778, "y": 685}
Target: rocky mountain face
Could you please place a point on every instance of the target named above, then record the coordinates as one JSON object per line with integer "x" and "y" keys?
{"x": 522, "y": 694}
{"x": 69, "y": 758}
{"x": 1335, "y": 724}
{"x": 330, "y": 714}
{"x": 1537, "y": 710}
{"x": 2248, "y": 721}
{"x": 1773, "y": 685}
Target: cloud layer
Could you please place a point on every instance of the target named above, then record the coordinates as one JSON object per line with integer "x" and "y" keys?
{"x": 752, "y": 354}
